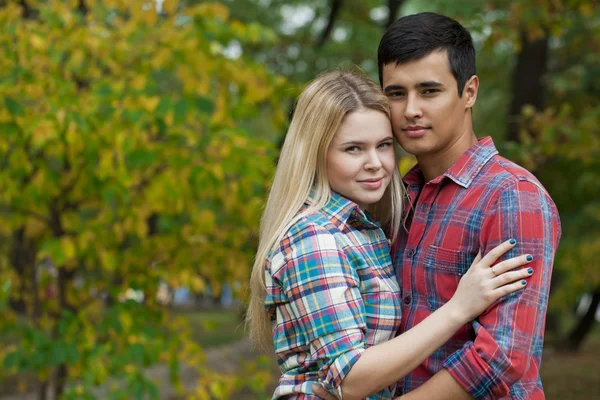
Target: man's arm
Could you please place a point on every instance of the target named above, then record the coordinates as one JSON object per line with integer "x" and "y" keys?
{"x": 442, "y": 386}
{"x": 510, "y": 333}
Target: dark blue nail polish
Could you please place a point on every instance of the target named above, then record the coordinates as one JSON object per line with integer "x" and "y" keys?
{"x": 512, "y": 241}
{"x": 523, "y": 283}
{"x": 529, "y": 258}
{"x": 530, "y": 270}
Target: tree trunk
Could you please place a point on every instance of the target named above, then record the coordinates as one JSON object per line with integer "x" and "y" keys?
{"x": 43, "y": 391}
{"x": 334, "y": 9}
{"x": 393, "y": 7}
{"x": 19, "y": 261}
{"x": 585, "y": 324}
{"x": 527, "y": 81}
{"x": 61, "y": 380}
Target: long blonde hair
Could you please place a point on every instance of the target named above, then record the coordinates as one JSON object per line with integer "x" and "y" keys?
{"x": 319, "y": 112}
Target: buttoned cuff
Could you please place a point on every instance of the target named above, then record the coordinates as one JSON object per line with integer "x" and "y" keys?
{"x": 471, "y": 370}
{"x": 342, "y": 350}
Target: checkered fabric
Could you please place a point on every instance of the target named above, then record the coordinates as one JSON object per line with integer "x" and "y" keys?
{"x": 332, "y": 293}
{"x": 480, "y": 202}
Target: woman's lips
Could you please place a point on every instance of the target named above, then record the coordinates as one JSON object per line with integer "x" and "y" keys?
{"x": 372, "y": 183}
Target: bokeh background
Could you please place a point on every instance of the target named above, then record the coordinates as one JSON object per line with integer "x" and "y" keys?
{"x": 137, "y": 141}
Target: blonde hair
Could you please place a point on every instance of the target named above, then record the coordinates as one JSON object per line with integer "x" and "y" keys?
{"x": 319, "y": 112}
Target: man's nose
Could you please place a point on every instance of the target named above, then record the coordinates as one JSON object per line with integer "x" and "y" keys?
{"x": 413, "y": 107}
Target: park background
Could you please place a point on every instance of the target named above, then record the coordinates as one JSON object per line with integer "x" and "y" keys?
{"x": 137, "y": 142}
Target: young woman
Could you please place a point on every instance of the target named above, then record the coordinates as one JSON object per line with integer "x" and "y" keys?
{"x": 323, "y": 290}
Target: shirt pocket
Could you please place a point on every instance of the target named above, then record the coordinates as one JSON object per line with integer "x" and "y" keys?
{"x": 442, "y": 272}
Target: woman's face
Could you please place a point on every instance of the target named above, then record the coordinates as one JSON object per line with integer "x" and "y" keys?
{"x": 360, "y": 158}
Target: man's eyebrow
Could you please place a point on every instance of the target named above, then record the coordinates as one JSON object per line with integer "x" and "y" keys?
{"x": 389, "y": 88}
{"x": 420, "y": 85}
{"x": 429, "y": 84}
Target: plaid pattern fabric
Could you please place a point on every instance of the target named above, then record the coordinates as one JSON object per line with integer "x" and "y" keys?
{"x": 332, "y": 293}
{"x": 481, "y": 201}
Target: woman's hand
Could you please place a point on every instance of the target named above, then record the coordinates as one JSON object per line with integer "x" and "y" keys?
{"x": 483, "y": 284}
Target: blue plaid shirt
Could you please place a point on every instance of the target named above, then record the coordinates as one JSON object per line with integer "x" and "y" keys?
{"x": 332, "y": 293}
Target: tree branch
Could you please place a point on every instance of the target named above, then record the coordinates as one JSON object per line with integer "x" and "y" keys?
{"x": 393, "y": 7}
{"x": 4, "y": 208}
{"x": 335, "y": 8}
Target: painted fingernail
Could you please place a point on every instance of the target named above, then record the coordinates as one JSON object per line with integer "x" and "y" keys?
{"x": 530, "y": 271}
{"x": 523, "y": 282}
{"x": 512, "y": 241}
{"x": 529, "y": 257}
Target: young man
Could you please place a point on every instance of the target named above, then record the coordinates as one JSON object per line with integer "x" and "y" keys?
{"x": 464, "y": 198}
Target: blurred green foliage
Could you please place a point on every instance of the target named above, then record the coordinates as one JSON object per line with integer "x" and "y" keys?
{"x": 138, "y": 140}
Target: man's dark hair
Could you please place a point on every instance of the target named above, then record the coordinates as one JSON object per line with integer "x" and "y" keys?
{"x": 416, "y": 36}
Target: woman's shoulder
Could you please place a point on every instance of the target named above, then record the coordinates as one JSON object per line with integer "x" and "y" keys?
{"x": 312, "y": 225}
{"x": 310, "y": 235}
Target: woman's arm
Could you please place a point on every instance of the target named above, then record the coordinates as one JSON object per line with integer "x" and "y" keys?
{"x": 384, "y": 364}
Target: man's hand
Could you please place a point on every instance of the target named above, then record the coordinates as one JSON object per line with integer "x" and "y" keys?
{"x": 320, "y": 391}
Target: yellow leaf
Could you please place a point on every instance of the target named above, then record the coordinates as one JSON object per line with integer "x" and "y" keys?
{"x": 37, "y": 42}
{"x": 170, "y": 6}
{"x": 149, "y": 103}
{"x": 108, "y": 260}
{"x": 68, "y": 247}
{"x": 126, "y": 321}
{"x": 212, "y": 10}
{"x": 197, "y": 284}
{"x": 406, "y": 163}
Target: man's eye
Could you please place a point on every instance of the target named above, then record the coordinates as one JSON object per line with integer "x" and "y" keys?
{"x": 430, "y": 91}
{"x": 396, "y": 94}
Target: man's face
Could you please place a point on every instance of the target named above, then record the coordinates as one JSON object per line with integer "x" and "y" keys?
{"x": 428, "y": 116}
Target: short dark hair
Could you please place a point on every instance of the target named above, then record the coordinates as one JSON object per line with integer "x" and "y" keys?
{"x": 416, "y": 36}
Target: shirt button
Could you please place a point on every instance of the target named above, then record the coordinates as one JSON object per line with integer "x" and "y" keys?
{"x": 410, "y": 253}
{"x": 407, "y": 300}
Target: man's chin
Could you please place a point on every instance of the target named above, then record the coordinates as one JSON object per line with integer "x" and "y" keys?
{"x": 417, "y": 149}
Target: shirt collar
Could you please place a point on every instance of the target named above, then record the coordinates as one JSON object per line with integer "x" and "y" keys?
{"x": 464, "y": 170}
{"x": 340, "y": 208}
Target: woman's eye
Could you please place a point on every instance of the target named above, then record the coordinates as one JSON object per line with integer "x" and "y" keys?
{"x": 384, "y": 145}
{"x": 352, "y": 149}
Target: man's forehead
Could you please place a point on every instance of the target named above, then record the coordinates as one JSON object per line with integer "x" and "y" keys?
{"x": 433, "y": 67}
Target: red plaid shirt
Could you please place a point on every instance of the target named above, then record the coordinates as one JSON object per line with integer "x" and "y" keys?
{"x": 480, "y": 202}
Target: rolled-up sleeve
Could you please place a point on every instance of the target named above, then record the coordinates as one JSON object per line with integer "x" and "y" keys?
{"x": 511, "y": 332}
{"x": 325, "y": 303}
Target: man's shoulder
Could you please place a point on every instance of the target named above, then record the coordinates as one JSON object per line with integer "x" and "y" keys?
{"x": 503, "y": 174}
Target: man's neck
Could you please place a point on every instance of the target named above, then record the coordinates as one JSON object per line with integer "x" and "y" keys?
{"x": 434, "y": 165}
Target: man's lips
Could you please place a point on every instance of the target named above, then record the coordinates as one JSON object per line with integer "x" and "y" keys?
{"x": 415, "y": 131}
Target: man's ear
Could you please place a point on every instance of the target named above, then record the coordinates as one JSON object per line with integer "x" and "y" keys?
{"x": 470, "y": 91}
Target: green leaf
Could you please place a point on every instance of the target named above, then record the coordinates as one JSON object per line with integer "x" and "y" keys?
{"x": 9, "y": 129}
{"x": 181, "y": 109}
{"x": 205, "y": 105}
{"x": 14, "y": 108}
{"x": 12, "y": 360}
{"x": 140, "y": 158}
